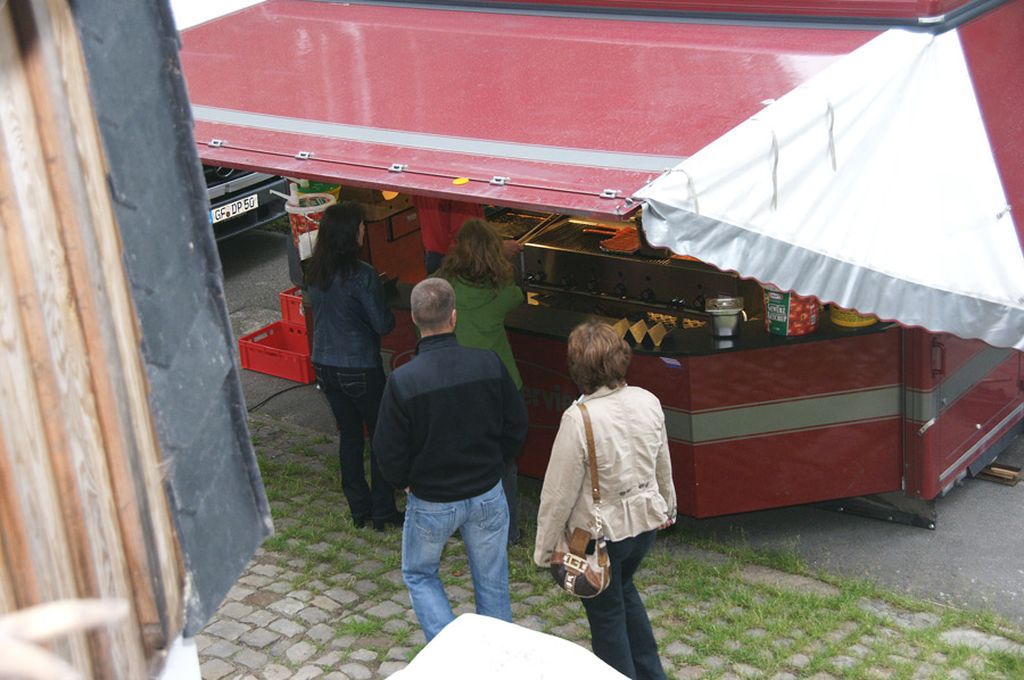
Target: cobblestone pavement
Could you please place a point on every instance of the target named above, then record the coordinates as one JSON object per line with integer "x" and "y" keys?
{"x": 323, "y": 599}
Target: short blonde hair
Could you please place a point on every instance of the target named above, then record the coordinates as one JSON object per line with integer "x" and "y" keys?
{"x": 597, "y": 357}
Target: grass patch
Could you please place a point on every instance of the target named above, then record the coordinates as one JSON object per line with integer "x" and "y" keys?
{"x": 705, "y": 607}
{"x": 1010, "y": 665}
{"x": 699, "y": 606}
{"x": 279, "y": 226}
{"x": 360, "y": 627}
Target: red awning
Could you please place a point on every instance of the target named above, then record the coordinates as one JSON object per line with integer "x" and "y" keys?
{"x": 562, "y": 113}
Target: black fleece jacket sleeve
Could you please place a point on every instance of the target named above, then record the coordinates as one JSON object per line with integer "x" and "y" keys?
{"x": 392, "y": 438}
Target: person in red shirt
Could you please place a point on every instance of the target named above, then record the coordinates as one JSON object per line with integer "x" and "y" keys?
{"x": 440, "y": 221}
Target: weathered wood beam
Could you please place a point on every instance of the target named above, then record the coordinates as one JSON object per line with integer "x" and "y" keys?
{"x": 85, "y": 513}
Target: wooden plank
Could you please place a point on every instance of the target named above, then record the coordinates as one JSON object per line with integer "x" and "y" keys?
{"x": 18, "y": 585}
{"x": 28, "y": 478}
{"x": 999, "y": 480}
{"x": 63, "y": 382}
{"x": 15, "y": 583}
{"x": 42, "y": 293}
{"x": 133, "y": 391}
{"x": 148, "y": 540}
{"x": 1000, "y": 473}
{"x": 7, "y": 597}
{"x": 79, "y": 460}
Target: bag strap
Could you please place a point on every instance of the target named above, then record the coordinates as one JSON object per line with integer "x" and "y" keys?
{"x": 595, "y": 489}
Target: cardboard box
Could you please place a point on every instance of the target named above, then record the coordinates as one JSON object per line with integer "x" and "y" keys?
{"x": 373, "y": 201}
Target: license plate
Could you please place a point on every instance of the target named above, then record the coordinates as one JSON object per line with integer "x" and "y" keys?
{"x": 234, "y": 209}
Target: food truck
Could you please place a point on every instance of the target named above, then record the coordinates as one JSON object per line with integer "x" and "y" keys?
{"x": 700, "y": 173}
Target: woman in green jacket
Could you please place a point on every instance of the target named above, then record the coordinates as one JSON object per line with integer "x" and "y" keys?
{"x": 485, "y": 292}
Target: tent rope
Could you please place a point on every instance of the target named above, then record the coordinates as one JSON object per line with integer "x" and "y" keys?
{"x": 831, "y": 133}
{"x": 775, "y": 162}
{"x": 775, "y": 170}
{"x": 690, "y": 187}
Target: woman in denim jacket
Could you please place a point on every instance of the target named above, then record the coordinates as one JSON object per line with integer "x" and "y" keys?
{"x": 349, "y": 316}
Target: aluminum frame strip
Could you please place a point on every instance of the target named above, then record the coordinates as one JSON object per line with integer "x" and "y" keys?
{"x": 751, "y": 18}
{"x": 445, "y": 143}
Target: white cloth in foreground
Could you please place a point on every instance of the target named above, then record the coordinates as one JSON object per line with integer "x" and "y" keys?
{"x": 474, "y": 647}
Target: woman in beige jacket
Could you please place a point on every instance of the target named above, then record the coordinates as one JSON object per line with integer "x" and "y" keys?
{"x": 637, "y": 495}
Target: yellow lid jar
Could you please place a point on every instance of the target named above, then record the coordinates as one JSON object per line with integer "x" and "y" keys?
{"x": 850, "y": 318}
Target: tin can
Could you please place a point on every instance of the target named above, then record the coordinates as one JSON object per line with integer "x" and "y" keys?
{"x": 789, "y": 314}
{"x": 726, "y": 315}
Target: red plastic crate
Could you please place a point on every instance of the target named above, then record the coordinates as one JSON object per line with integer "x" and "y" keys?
{"x": 291, "y": 306}
{"x": 281, "y": 350}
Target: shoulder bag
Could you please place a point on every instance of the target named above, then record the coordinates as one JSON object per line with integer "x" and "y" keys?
{"x": 572, "y": 568}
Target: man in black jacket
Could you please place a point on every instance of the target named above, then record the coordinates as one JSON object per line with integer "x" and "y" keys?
{"x": 449, "y": 421}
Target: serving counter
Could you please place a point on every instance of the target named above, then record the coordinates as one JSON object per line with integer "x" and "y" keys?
{"x": 754, "y": 421}
{"x": 761, "y": 421}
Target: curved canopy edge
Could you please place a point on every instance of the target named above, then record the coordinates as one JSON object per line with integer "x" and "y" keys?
{"x": 873, "y": 185}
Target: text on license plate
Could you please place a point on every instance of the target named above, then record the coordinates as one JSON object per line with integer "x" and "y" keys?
{"x": 234, "y": 209}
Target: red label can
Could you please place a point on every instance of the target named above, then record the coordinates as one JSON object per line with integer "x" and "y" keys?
{"x": 788, "y": 314}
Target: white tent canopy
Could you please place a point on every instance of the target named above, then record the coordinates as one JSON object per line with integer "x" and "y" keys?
{"x": 872, "y": 186}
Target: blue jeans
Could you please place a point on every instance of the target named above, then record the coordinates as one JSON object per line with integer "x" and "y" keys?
{"x": 354, "y": 395}
{"x": 483, "y": 522}
{"x": 620, "y": 632}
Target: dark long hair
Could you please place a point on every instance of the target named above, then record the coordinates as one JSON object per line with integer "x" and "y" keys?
{"x": 477, "y": 258}
{"x": 337, "y": 244}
